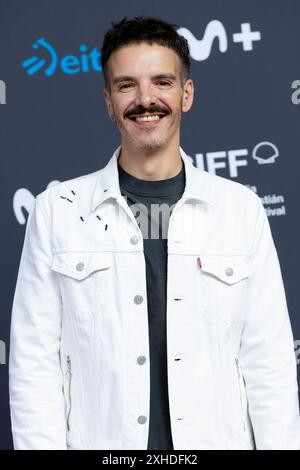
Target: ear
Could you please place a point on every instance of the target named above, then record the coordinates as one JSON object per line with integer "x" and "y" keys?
{"x": 188, "y": 95}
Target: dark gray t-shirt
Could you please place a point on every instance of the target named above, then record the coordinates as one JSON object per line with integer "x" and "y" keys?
{"x": 143, "y": 194}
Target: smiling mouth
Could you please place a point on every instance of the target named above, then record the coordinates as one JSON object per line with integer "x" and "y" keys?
{"x": 147, "y": 118}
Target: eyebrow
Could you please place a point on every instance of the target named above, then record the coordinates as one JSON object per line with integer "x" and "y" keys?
{"x": 124, "y": 78}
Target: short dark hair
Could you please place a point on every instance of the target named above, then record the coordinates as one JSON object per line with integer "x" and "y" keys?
{"x": 149, "y": 30}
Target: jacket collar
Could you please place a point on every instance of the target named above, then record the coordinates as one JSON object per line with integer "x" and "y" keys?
{"x": 198, "y": 183}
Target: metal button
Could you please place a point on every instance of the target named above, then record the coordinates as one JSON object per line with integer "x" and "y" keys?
{"x": 142, "y": 419}
{"x": 134, "y": 239}
{"x": 79, "y": 266}
{"x": 141, "y": 360}
{"x": 229, "y": 272}
{"x": 138, "y": 299}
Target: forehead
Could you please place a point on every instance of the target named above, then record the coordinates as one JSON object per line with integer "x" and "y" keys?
{"x": 143, "y": 58}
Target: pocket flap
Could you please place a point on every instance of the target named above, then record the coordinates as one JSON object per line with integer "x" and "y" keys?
{"x": 80, "y": 264}
{"x": 227, "y": 268}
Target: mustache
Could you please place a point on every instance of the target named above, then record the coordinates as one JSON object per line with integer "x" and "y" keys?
{"x": 142, "y": 110}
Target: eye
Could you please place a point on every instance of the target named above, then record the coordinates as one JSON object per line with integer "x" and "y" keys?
{"x": 125, "y": 85}
{"x": 163, "y": 82}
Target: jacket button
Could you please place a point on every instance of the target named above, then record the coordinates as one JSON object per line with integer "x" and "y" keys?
{"x": 79, "y": 266}
{"x": 229, "y": 272}
{"x": 142, "y": 419}
{"x": 134, "y": 239}
{"x": 138, "y": 299}
{"x": 141, "y": 360}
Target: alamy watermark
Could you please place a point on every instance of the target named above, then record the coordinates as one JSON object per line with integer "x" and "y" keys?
{"x": 295, "y": 97}
{"x": 153, "y": 220}
{"x": 2, "y": 352}
{"x": 2, "y": 92}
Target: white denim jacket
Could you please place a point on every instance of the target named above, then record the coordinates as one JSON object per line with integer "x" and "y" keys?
{"x": 80, "y": 323}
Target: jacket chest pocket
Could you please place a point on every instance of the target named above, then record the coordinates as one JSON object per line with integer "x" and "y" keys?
{"x": 225, "y": 277}
{"x": 83, "y": 278}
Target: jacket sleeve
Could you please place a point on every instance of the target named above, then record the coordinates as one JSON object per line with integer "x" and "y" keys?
{"x": 35, "y": 377}
{"x": 267, "y": 354}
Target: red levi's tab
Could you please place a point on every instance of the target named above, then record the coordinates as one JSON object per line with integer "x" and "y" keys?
{"x": 199, "y": 262}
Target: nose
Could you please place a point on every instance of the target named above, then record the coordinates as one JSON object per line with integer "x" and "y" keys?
{"x": 145, "y": 96}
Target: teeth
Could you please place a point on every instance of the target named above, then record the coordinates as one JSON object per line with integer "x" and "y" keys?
{"x": 147, "y": 118}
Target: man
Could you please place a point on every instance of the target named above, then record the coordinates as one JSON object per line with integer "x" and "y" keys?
{"x": 136, "y": 331}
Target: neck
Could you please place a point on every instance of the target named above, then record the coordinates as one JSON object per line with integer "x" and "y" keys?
{"x": 151, "y": 164}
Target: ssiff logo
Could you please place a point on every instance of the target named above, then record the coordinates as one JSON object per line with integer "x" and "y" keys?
{"x": 70, "y": 64}
{"x": 263, "y": 153}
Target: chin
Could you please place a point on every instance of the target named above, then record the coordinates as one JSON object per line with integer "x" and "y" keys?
{"x": 147, "y": 144}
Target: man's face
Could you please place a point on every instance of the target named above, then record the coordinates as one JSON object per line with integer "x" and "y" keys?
{"x": 145, "y": 80}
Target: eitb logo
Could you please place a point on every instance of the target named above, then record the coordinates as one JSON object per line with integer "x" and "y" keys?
{"x": 49, "y": 62}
